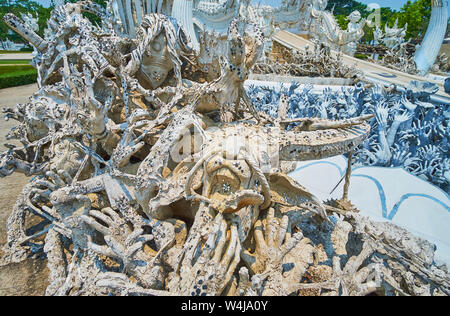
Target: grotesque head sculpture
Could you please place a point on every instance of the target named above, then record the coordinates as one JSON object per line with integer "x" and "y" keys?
{"x": 354, "y": 17}
{"x": 66, "y": 156}
{"x": 320, "y": 4}
{"x": 160, "y": 43}
{"x": 155, "y": 64}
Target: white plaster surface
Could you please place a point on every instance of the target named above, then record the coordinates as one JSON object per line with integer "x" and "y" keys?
{"x": 422, "y": 208}
{"x": 16, "y": 56}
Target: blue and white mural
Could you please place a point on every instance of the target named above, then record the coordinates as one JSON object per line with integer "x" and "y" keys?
{"x": 384, "y": 194}
{"x": 408, "y": 131}
{"x": 400, "y": 174}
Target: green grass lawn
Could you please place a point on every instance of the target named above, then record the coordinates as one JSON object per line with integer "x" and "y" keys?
{"x": 14, "y": 52}
{"x": 13, "y": 76}
{"x": 14, "y": 61}
{"x": 361, "y": 56}
{"x": 11, "y": 69}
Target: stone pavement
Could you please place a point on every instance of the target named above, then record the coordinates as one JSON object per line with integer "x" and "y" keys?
{"x": 15, "y": 56}
{"x": 28, "y": 277}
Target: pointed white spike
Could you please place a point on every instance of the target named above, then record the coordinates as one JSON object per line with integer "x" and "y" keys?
{"x": 182, "y": 12}
{"x": 138, "y": 9}
{"x": 122, "y": 15}
{"x": 148, "y": 7}
{"x": 130, "y": 20}
{"x": 431, "y": 45}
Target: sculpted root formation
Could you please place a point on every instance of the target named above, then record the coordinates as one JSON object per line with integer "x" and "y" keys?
{"x": 156, "y": 172}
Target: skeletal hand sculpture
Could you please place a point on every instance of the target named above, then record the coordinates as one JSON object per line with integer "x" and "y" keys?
{"x": 210, "y": 272}
{"x": 272, "y": 245}
{"x": 410, "y": 121}
{"x": 126, "y": 246}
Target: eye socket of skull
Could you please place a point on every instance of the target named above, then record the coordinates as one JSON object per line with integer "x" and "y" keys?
{"x": 156, "y": 46}
{"x": 155, "y": 64}
{"x": 154, "y": 71}
{"x": 227, "y": 176}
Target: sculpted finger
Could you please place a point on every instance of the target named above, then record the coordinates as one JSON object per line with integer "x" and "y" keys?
{"x": 259, "y": 236}
{"x": 212, "y": 237}
{"x": 233, "y": 265}
{"x": 95, "y": 225}
{"x": 270, "y": 227}
{"x": 55, "y": 178}
{"x": 222, "y": 239}
{"x": 283, "y": 230}
{"x": 113, "y": 214}
{"x": 290, "y": 244}
{"x": 248, "y": 258}
{"x": 102, "y": 250}
{"x": 47, "y": 184}
{"x": 234, "y": 241}
{"x": 104, "y": 218}
{"x": 134, "y": 249}
{"x": 116, "y": 246}
{"x": 65, "y": 176}
{"x": 244, "y": 281}
{"x": 145, "y": 238}
{"x": 133, "y": 236}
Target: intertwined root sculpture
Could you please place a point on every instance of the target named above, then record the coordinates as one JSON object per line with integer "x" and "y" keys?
{"x": 156, "y": 175}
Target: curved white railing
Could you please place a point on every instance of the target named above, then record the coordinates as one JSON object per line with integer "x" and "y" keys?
{"x": 182, "y": 12}
{"x": 431, "y": 45}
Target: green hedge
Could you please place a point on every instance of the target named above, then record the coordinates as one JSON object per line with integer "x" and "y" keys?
{"x": 14, "y": 61}
{"x": 361, "y": 56}
{"x": 10, "y": 69}
{"x": 14, "y": 52}
{"x": 18, "y": 78}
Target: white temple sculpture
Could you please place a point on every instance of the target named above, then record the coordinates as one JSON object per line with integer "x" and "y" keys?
{"x": 155, "y": 173}
{"x": 310, "y": 18}
{"x": 426, "y": 55}
{"x": 395, "y": 36}
{"x": 304, "y": 16}
{"x": 30, "y": 21}
{"x": 353, "y": 33}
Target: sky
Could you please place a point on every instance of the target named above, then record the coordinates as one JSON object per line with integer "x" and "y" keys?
{"x": 394, "y": 4}
{"x": 45, "y": 3}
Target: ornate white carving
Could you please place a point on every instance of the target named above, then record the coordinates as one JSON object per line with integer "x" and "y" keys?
{"x": 155, "y": 174}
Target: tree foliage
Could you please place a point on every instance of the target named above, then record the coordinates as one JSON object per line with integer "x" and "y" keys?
{"x": 22, "y": 6}
{"x": 416, "y": 13}
{"x": 345, "y": 7}
{"x": 29, "y": 6}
